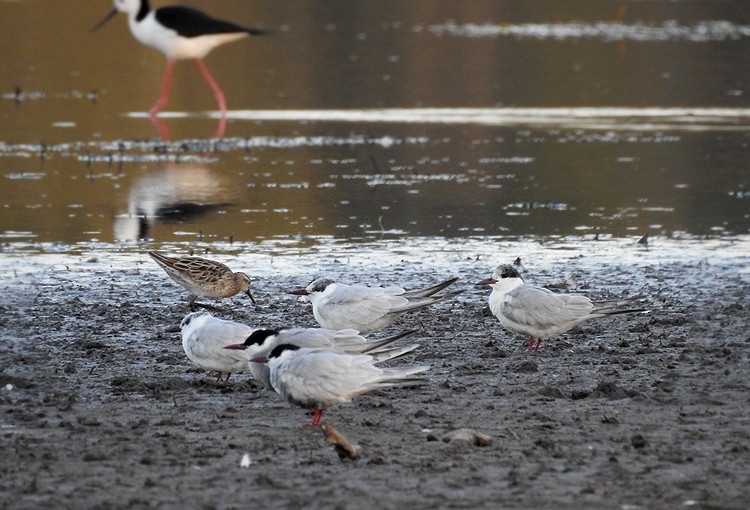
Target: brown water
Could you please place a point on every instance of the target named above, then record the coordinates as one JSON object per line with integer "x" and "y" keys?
{"x": 351, "y": 122}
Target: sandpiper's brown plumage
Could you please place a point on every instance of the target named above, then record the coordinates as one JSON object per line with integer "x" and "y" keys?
{"x": 203, "y": 277}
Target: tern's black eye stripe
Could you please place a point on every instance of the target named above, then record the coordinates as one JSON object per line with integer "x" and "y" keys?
{"x": 321, "y": 285}
{"x": 259, "y": 336}
{"x": 508, "y": 272}
{"x": 276, "y": 352}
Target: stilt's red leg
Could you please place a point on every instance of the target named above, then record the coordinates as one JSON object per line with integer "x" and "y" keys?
{"x": 218, "y": 94}
{"x": 162, "y": 101}
{"x": 161, "y": 128}
{"x": 221, "y": 127}
{"x": 317, "y": 415}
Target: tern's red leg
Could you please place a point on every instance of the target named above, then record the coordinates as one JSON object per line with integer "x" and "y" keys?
{"x": 218, "y": 94}
{"x": 165, "y": 84}
{"x": 531, "y": 344}
{"x": 538, "y": 344}
{"x": 317, "y": 415}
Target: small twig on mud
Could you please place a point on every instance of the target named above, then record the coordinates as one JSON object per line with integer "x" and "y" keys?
{"x": 512, "y": 433}
{"x": 344, "y": 448}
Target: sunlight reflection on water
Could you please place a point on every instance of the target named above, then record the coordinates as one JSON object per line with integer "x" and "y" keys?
{"x": 669, "y": 30}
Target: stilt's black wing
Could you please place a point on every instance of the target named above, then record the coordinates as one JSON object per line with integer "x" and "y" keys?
{"x": 189, "y": 22}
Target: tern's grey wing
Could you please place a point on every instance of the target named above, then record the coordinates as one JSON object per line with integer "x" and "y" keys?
{"x": 320, "y": 337}
{"x": 356, "y": 306}
{"x": 402, "y": 376}
{"x": 211, "y": 355}
{"x": 345, "y": 340}
{"x": 205, "y": 345}
{"x": 541, "y": 308}
{"x": 322, "y": 377}
{"x": 228, "y": 331}
{"x": 262, "y": 373}
{"x": 305, "y": 337}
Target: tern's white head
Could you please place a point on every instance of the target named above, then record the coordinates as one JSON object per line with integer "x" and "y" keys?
{"x": 194, "y": 320}
{"x": 504, "y": 278}
{"x": 315, "y": 289}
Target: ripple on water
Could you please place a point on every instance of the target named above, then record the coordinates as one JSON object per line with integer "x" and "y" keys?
{"x": 25, "y": 176}
{"x": 670, "y": 30}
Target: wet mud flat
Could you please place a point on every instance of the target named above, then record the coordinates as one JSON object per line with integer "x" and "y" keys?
{"x": 100, "y": 408}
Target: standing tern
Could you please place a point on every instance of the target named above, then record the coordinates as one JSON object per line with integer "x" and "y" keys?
{"x": 348, "y": 341}
{"x": 203, "y": 277}
{"x": 366, "y": 309}
{"x": 315, "y": 378}
{"x": 541, "y": 313}
{"x": 204, "y": 338}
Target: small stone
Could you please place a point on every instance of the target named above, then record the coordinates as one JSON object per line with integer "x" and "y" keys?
{"x": 610, "y": 420}
{"x": 470, "y": 436}
{"x": 638, "y": 441}
{"x": 579, "y": 394}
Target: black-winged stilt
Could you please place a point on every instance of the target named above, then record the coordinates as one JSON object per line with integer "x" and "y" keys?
{"x": 180, "y": 33}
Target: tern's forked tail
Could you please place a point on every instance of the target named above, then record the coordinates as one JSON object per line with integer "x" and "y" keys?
{"x": 429, "y": 291}
{"x": 616, "y": 307}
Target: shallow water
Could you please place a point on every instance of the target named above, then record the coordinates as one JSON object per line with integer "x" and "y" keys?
{"x": 419, "y": 119}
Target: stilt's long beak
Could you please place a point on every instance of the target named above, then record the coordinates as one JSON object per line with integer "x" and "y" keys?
{"x": 103, "y": 22}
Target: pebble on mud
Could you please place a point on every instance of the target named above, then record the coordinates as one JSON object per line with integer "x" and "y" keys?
{"x": 470, "y": 436}
{"x": 638, "y": 441}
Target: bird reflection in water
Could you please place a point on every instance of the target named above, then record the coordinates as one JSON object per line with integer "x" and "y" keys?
{"x": 177, "y": 193}
{"x": 163, "y": 130}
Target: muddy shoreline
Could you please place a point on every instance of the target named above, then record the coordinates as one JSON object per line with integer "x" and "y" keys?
{"x": 101, "y": 408}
